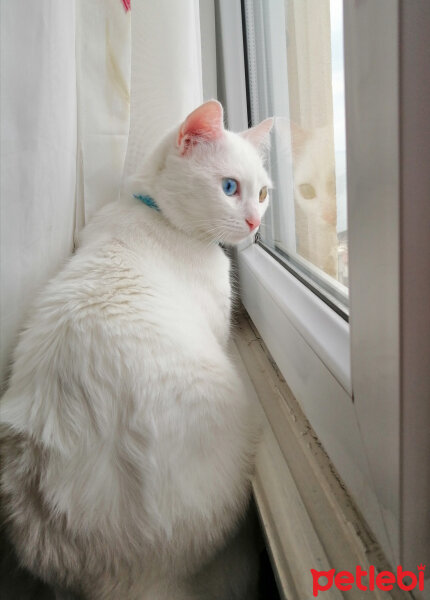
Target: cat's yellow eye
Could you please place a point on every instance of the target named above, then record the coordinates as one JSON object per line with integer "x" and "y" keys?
{"x": 263, "y": 194}
{"x": 307, "y": 191}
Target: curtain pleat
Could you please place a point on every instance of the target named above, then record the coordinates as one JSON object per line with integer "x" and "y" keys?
{"x": 166, "y": 71}
{"x": 37, "y": 154}
{"x": 103, "y": 49}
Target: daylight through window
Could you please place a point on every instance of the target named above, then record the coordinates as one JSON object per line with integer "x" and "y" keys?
{"x": 295, "y": 72}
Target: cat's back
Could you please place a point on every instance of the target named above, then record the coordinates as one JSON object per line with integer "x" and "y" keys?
{"x": 133, "y": 267}
{"x": 134, "y": 288}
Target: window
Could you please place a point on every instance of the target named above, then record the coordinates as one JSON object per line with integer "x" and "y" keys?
{"x": 363, "y": 384}
{"x": 295, "y": 71}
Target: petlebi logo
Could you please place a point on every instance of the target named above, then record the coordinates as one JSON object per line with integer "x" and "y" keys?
{"x": 383, "y": 580}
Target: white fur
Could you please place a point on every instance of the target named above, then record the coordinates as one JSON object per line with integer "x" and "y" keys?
{"x": 122, "y": 374}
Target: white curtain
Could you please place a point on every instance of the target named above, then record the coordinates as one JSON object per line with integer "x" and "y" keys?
{"x": 166, "y": 74}
{"x": 38, "y": 152}
{"x": 70, "y": 71}
{"x": 103, "y": 50}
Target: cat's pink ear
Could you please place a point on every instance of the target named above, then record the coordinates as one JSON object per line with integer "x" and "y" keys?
{"x": 259, "y": 136}
{"x": 203, "y": 124}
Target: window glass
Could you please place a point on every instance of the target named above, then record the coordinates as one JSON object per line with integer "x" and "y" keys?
{"x": 295, "y": 72}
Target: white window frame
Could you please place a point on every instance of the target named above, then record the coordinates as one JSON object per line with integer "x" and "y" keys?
{"x": 375, "y": 422}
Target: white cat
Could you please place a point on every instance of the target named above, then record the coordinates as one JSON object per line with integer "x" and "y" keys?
{"x": 127, "y": 437}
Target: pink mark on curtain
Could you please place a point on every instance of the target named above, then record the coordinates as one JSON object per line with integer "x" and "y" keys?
{"x": 127, "y": 5}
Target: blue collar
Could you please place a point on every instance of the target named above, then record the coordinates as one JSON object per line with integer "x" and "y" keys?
{"x": 148, "y": 201}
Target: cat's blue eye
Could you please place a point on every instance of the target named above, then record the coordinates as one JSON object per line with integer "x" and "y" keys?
{"x": 229, "y": 186}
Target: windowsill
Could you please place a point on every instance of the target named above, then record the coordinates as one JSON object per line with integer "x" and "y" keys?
{"x": 306, "y": 513}
{"x": 310, "y": 345}
{"x": 322, "y": 329}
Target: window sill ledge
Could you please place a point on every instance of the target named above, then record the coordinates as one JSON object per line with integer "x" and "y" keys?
{"x": 325, "y": 332}
{"x": 306, "y": 513}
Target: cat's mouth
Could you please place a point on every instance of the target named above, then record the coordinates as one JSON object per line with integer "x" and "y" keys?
{"x": 226, "y": 232}
{"x": 238, "y": 235}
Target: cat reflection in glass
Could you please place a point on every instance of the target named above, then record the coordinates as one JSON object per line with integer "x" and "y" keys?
{"x": 315, "y": 196}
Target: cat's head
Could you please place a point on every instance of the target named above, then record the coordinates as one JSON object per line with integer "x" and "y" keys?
{"x": 207, "y": 181}
{"x": 314, "y": 175}
{"x": 315, "y": 196}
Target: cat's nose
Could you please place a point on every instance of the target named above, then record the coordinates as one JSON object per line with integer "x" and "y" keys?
{"x": 253, "y": 223}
